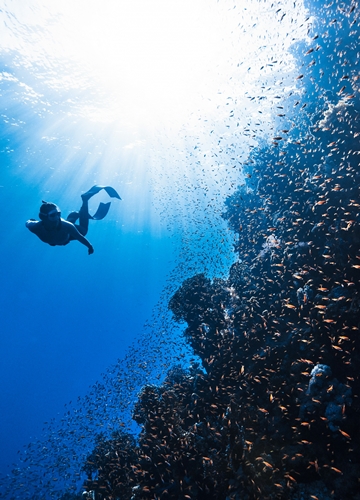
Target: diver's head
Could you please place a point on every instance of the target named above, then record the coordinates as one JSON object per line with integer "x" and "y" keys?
{"x": 49, "y": 212}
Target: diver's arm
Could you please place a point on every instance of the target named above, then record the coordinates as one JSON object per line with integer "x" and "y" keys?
{"x": 31, "y": 224}
{"x": 74, "y": 233}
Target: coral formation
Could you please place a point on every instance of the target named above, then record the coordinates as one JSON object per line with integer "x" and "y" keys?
{"x": 273, "y": 411}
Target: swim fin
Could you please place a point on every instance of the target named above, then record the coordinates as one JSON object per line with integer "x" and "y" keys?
{"x": 96, "y": 189}
{"x": 111, "y": 192}
{"x": 101, "y": 211}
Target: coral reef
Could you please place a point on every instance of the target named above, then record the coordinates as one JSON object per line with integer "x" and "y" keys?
{"x": 273, "y": 411}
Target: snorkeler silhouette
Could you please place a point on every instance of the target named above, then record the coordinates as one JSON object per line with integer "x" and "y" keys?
{"x": 54, "y": 230}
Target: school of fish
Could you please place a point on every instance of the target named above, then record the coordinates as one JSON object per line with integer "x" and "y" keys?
{"x": 271, "y": 409}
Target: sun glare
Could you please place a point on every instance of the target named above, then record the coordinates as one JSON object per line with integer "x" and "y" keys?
{"x": 151, "y": 58}
{"x": 168, "y": 96}
{"x": 150, "y": 61}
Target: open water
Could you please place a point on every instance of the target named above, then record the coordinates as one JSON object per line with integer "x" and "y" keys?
{"x": 228, "y": 129}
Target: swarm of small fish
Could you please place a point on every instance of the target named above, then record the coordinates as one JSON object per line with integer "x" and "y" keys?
{"x": 273, "y": 412}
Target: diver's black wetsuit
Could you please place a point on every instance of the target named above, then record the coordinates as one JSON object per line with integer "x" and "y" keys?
{"x": 83, "y": 216}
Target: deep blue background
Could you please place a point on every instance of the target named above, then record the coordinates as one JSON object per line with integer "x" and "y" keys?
{"x": 66, "y": 316}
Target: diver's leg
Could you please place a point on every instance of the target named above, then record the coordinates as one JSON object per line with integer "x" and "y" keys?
{"x": 102, "y": 209}
{"x": 84, "y": 217}
{"x": 73, "y": 217}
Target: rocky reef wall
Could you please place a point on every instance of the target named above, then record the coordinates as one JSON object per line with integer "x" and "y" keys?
{"x": 273, "y": 411}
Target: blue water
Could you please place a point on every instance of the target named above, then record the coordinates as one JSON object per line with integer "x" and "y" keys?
{"x": 82, "y": 333}
{"x": 65, "y": 315}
